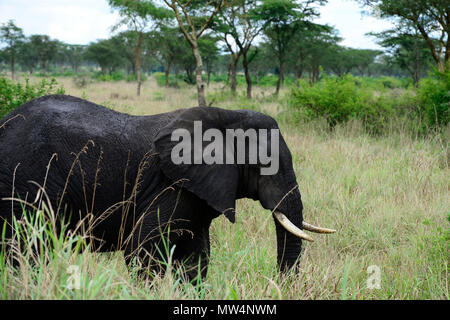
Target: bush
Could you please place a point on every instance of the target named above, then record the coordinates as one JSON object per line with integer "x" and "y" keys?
{"x": 218, "y": 77}
{"x": 13, "y": 94}
{"x": 174, "y": 81}
{"x": 380, "y": 104}
{"x": 81, "y": 81}
{"x": 113, "y": 76}
{"x": 133, "y": 77}
{"x": 335, "y": 99}
{"x": 434, "y": 98}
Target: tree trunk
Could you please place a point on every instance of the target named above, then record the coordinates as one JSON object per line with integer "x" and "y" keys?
{"x": 198, "y": 77}
{"x": 44, "y": 67}
{"x": 233, "y": 74}
{"x": 166, "y": 73}
{"x": 228, "y": 74}
{"x": 280, "y": 81}
{"x": 277, "y": 91}
{"x": 189, "y": 75}
{"x": 12, "y": 66}
{"x": 138, "y": 63}
{"x": 447, "y": 53}
{"x": 248, "y": 78}
{"x": 298, "y": 77}
{"x": 316, "y": 73}
{"x": 416, "y": 65}
{"x": 429, "y": 41}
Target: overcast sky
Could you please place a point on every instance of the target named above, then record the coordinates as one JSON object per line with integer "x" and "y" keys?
{"x": 83, "y": 21}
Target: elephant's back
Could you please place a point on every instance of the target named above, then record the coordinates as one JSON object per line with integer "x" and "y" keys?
{"x": 56, "y": 137}
{"x": 64, "y": 111}
{"x": 61, "y": 125}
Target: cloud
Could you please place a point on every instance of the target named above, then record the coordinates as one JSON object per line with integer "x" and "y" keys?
{"x": 76, "y": 22}
{"x": 345, "y": 16}
{"x": 83, "y": 21}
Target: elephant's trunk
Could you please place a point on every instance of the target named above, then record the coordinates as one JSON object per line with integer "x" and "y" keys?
{"x": 288, "y": 245}
{"x": 289, "y": 231}
{"x": 288, "y": 248}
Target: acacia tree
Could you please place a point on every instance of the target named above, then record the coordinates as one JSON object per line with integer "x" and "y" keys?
{"x": 239, "y": 21}
{"x": 210, "y": 53}
{"x": 13, "y": 36}
{"x": 194, "y": 18}
{"x": 44, "y": 48}
{"x": 310, "y": 48}
{"x": 166, "y": 46}
{"x": 125, "y": 43}
{"x": 282, "y": 19}
{"x": 262, "y": 61}
{"x": 139, "y": 16}
{"x": 235, "y": 55}
{"x": 26, "y": 56}
{"x": 105, "y": 54}
{"x": 75, "y": 54}
{"x": 408, "y": 51}
{"x": 431, "y": 18}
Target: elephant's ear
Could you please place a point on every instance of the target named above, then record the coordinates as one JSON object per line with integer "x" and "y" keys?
{"x": 217, "y": 184}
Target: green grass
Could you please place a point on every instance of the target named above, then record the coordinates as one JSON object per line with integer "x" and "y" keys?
{"x": 387, "y": 196}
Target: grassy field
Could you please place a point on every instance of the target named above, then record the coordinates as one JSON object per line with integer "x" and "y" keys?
{"x": 387, "y": 196}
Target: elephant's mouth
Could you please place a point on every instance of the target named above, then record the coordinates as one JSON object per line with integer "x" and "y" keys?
{"x": 292, "y": 228}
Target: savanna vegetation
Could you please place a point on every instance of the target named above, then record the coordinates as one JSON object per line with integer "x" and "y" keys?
{"x": 368, "y": 131}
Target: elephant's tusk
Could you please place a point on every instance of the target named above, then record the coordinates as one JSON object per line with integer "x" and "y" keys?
{"x": 289, "y": 226}
{"x": 316, "y": 229}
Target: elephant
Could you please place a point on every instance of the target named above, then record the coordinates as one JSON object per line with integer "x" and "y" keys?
{"x": 97, "y": 164}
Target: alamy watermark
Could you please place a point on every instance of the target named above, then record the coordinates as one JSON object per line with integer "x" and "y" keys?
{"x": 251, "y": 147}
{"x": 374, "y": 277}
{"x": 74, "y": 280}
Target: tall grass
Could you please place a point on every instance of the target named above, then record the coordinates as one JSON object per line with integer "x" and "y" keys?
{"x": 387, "y": 195}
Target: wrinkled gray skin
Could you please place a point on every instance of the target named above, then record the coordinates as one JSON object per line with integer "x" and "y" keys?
{"x": 118, "y": 147}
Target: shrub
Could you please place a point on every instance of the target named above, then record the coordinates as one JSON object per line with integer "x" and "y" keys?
{"x": 335, "y": 99}
{"x": 174, "y": 81}
{"x": 13, "y": 94}
{"x": 158, "y": 96}
{"x": 218, "y": 77}
{"x": 434, "y": 99}
{"x": 81, "y": 81}
{"x": 113, "y": 76}
{"x": 133, "y": 77}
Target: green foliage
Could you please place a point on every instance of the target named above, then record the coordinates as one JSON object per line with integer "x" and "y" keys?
{"x": 425, "y": 16}
{"x": 81, "y": 81}
{"x": 377, "y": 103}
{"x": 13, "y": 94}
{"x": 132, "y": 77}
{"x": 335, "y": 99}
{"x": 12, "y": 36}
{"x": 434, "y": 97}
{"x": 115, "y": 76}
{"x": 105, "y": 54}
{"x": 408, "y": 51}
{"x": 174, "y": 81}
{"x": 158, "y": 96}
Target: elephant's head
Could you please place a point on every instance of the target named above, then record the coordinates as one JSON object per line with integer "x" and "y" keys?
{"x": 201, "y": 145}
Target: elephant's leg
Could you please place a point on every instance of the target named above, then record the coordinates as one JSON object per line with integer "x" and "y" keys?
{"x": 10, "y": 247}
{"x": 192, "y": 251}
{"x": 151, "y": 250}
{"x": 142, "y": 255}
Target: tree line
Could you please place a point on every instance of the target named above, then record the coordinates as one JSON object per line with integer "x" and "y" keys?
{"x": 256, "y": 38}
